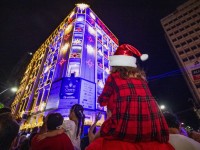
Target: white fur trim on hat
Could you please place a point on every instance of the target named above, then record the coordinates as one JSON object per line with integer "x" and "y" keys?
{"x": 122, "y": 60}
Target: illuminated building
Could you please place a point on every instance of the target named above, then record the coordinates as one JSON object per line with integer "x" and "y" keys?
{"x": 182, "y": 31}
{"x": 70, "y": 67}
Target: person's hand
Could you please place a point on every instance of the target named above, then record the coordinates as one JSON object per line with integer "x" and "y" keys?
{"x": 41, "y": 137}
{"x": 98, "y": 117}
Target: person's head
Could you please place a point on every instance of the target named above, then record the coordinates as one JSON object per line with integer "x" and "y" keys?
{"x": 77, "y": 115}
{"x": 5, "y": 110}
{"x": 124, "y": 62}
{"x": 9, "y": 129}
{"x": 54, "y": 120}
{"x": 172, "y": 120}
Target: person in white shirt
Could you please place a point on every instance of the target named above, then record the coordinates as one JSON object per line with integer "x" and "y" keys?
{"x": 176, "y": 139}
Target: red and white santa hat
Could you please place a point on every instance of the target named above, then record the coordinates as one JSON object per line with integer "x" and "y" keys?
{"x": 125, "y": 56}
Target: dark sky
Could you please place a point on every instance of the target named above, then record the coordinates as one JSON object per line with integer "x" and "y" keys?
{"x": 25, "y": 24}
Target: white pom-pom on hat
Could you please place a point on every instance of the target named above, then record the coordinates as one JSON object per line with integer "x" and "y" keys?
{"x": 144, "y": 57}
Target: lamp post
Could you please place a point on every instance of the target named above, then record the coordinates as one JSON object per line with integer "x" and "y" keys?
{"x": 12, "y": 89}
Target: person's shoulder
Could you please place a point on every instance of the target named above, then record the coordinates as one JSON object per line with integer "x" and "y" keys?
{"x": 178, "y": 140}
{"x": 69, "y": 123}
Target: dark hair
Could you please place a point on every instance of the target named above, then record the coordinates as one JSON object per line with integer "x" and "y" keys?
{"x": 125, "y": 72}
{"x": 9, "y": 129}
{"x": 5, "y": 110}
{"x": 54, "y": 120}
{"x": 172, "y": 120}
{"x": 78, "y": 110}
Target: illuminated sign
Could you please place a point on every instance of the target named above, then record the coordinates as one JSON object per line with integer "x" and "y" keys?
{"x": 196, "y": 74}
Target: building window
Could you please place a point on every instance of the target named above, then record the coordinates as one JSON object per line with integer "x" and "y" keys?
{"x": 195, "y": 15}
{"x": 187, "y": 26}
{"x": 174, "y": 40}
{"x": 181, "y": 29}
{"x": 197, "y": 29}
{"x": 195, "y": 38}
{"x": 192, "y": 24}
{"x": 189, "y": 18}
{"x": 183, "y": 21}
{"x": 178, "y": 24}
{"x": 176, "y": 32}
{"x": 189, "y": 41}
{"x": 186, "y": 34}
{"x": 168, "y": 29}
{"x": 193, "y": 47}
{"x": 171, "y": 34}
{"x": 183, "y": 44}
{"x": 184, "y": 59}
{"x": 177, "y": 46}
{"x": 191, "y": 32}
{"x": 191, "y": 57}
{"x": 181, "y": 53}
{"x": 197, "y": 55}
{"x": 187, "y": 50}
{"x": 179, "y": 37}
{"x": 173, "y": 26}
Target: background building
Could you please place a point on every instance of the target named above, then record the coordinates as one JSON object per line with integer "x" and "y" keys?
{"x": 70, "y": 67}
{"x": 182, "y": 31}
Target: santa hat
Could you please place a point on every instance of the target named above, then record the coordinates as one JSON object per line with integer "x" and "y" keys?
{"x": 124, "y": 56}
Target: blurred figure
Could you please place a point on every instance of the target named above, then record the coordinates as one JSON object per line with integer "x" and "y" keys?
{"x": 9, "y": 129}
{"x": 58, "y": 142}
{"x": 5, "y": 110}
{"x": 194, "y": 135}
{"x": 177, "y": 140}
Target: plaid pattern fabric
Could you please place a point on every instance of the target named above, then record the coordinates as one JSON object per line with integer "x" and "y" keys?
{"x": 135, "y": 114}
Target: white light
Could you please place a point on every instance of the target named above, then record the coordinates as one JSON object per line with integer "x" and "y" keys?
{"x": 162, "y": 107}
{"x": 82, "y": 6}
{"x": 30, "y": 53}
{"x": 90, "y": 49}
{"x": 92, "y": 15}
{"x": 68, "y": 29}
{"x": 91, "y": 30}
{"x": 14, "y": 89}
{"x": 65, "y": 47}
{"x": 80, "y": 18}
{"x": 99, "y": 31}
{"x": 71, "y": 15}
{"x": 46, "y": 69}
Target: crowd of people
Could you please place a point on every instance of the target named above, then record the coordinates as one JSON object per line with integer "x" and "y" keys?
{"x": 134, "y": 120}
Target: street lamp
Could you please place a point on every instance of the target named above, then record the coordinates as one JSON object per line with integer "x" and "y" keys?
{"x": 162, "y": 107}
{"x": 12, "y": 89}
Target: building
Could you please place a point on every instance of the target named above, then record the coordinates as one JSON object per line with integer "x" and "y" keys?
{"x": 70, "y": 67}
{"x": 182, "y": 32}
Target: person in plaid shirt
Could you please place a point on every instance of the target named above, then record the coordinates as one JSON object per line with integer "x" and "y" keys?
{"x": 136, "y": 116}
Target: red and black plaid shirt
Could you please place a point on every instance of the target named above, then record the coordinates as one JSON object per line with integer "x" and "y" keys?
{"x": 135, "y": 114}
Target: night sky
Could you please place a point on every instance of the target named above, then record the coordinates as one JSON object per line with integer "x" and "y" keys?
{"x": 26, "y": 24}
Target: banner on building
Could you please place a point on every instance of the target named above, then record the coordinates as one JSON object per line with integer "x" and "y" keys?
{"x": 196, "y": 74}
